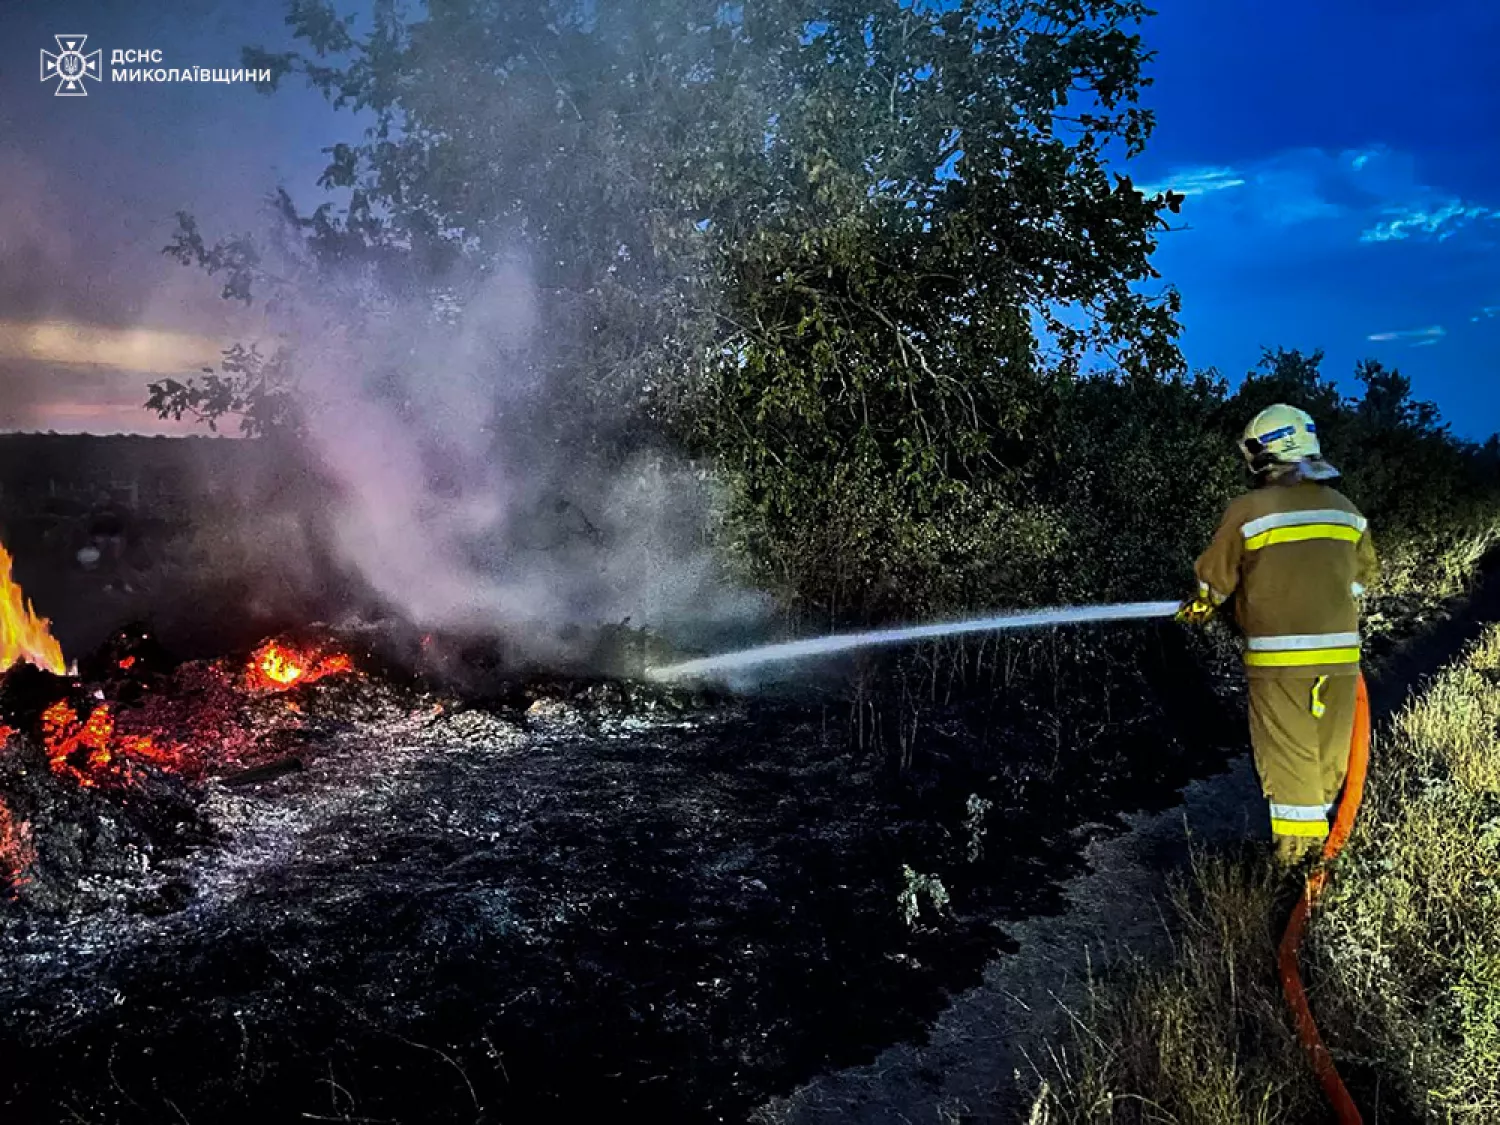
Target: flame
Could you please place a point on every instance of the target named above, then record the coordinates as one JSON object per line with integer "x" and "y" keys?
{"x": 281, "y": 668}
{"x": 95, "y": 751}
{"x": 24, "y": 635}
{"x": 99, "y": 748}
{"x": 276, "y": 666}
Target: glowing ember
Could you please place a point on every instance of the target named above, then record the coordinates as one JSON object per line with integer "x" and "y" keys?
{"x": 127, "y": 663}
{"x": 276, "y": 666}
{"x": 91, "y": 751}
{"x": 24, "y": 635}
{"x": 67, "y": 740}
{"x": 17, "y": 852}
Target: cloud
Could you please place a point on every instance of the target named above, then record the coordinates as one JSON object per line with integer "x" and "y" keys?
{"x": 36, "y": 395}
{"x": 1365, "y": 195}
{"x": 78, "y": 377}
{"x": 148, "y": 350}
{"x": 1283, "y": 189}
{"x": 1418, "y": 337}
{"x": 1489, "y": 312}
{"x": 94, "y": 418}
{"x": 1197, "y": 181}
{"x": 1443, "y": 219}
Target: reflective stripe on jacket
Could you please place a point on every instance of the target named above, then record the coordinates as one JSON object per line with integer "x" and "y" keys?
{"x": 1295, "y": 558}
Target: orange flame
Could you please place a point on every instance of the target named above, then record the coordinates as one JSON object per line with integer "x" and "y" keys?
{"x": 24, "y": 635}
{"x": 276, "y": 666}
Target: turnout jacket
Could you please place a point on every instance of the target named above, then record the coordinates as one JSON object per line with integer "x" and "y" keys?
{"x": 1295, "y": 557}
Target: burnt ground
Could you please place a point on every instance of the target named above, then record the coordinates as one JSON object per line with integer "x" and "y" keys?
{"x": 547, "y": 900}
{"x": 575, "y": 900}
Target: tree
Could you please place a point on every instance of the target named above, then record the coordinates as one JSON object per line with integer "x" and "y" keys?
{"x": 1287, "y": 375}
{"x": 1489, "y": 458}
{"x": 255, "y": 388}
{"x": 1387, "y": 403}
{"x": 841, "y": 247}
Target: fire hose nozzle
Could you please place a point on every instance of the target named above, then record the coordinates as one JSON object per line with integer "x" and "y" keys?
{"x": 1197, "y": 611}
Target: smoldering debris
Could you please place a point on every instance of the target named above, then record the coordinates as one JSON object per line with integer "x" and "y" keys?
{"x": 589, "y": 879}
{"x": 109, "y": 778}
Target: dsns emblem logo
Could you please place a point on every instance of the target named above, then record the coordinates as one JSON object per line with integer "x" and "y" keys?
{"x": 70, "y": 66}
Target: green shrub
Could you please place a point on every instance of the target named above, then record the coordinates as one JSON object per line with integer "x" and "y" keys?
{"x": 1115, "y": 489}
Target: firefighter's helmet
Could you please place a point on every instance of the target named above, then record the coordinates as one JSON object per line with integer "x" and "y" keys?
{"x": 1280, "y": 435}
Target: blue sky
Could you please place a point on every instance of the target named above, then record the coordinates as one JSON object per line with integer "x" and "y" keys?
{"x": 1343, "y": 186}
{"x": 1339, "y": 159}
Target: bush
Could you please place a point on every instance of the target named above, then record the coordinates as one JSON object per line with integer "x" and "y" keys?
{"x": 1114, "y": 486}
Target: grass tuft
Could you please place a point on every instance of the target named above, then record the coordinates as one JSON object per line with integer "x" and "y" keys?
{"x": 1200, "y": 1041}
{"x": 1408, "y": 942}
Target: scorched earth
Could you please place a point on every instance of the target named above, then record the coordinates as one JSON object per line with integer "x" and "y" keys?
{"x": 306, "y": 883}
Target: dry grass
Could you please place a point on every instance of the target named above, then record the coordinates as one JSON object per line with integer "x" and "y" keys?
{"x": 1403, "y": 958}
{"x": 1408, "y": 942}
{"x": 1200, "y": 1041}
{"x": 1432, "y": 568}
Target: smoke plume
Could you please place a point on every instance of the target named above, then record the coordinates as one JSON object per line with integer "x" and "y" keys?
{"x": 461, "y": 499}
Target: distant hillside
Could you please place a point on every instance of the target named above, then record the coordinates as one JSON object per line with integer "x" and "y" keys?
{"x": 160, "y": 476}
{"x": 224, "y": 523}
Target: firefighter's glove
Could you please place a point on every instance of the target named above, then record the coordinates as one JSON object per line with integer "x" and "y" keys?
{"x": 1197, "y": 612}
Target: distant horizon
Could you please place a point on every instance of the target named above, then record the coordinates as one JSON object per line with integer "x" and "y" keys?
{"x": 206, "y": 434}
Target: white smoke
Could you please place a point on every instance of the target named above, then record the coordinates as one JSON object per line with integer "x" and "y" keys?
{"x": 460, "y": 507}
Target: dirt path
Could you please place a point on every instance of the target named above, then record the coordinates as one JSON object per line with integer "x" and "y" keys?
{"x": 981, "y": 1055}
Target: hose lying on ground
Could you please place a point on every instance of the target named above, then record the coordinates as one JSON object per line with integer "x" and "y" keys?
{"x": 1344, "y": 1109}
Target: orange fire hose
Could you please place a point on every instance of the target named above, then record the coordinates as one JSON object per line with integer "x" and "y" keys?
{"x": 1344, "y": 1109}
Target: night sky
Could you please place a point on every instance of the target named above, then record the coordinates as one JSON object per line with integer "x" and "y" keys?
{"x": 1339, "y": 161}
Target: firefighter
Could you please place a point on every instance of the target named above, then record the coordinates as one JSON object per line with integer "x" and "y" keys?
{"x": 1296, "y": 556}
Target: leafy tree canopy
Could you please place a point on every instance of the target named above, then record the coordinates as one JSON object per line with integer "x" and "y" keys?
{"x": 841, "y": 247}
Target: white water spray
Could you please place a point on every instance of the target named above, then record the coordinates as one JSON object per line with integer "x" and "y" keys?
{"x": 843, "y": 642}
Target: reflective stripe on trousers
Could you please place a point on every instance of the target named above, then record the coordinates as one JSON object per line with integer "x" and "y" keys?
{"x": 1299, "y": 820}
{"x": 1319, "y": 708}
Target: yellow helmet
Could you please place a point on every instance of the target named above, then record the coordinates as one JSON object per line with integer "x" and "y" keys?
{"x": 1280, "y": 435}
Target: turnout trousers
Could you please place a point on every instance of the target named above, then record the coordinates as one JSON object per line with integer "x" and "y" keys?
{"x": 1301, "y": 727}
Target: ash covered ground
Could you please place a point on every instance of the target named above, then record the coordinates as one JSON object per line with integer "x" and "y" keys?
{"x": 371, "y": 898}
